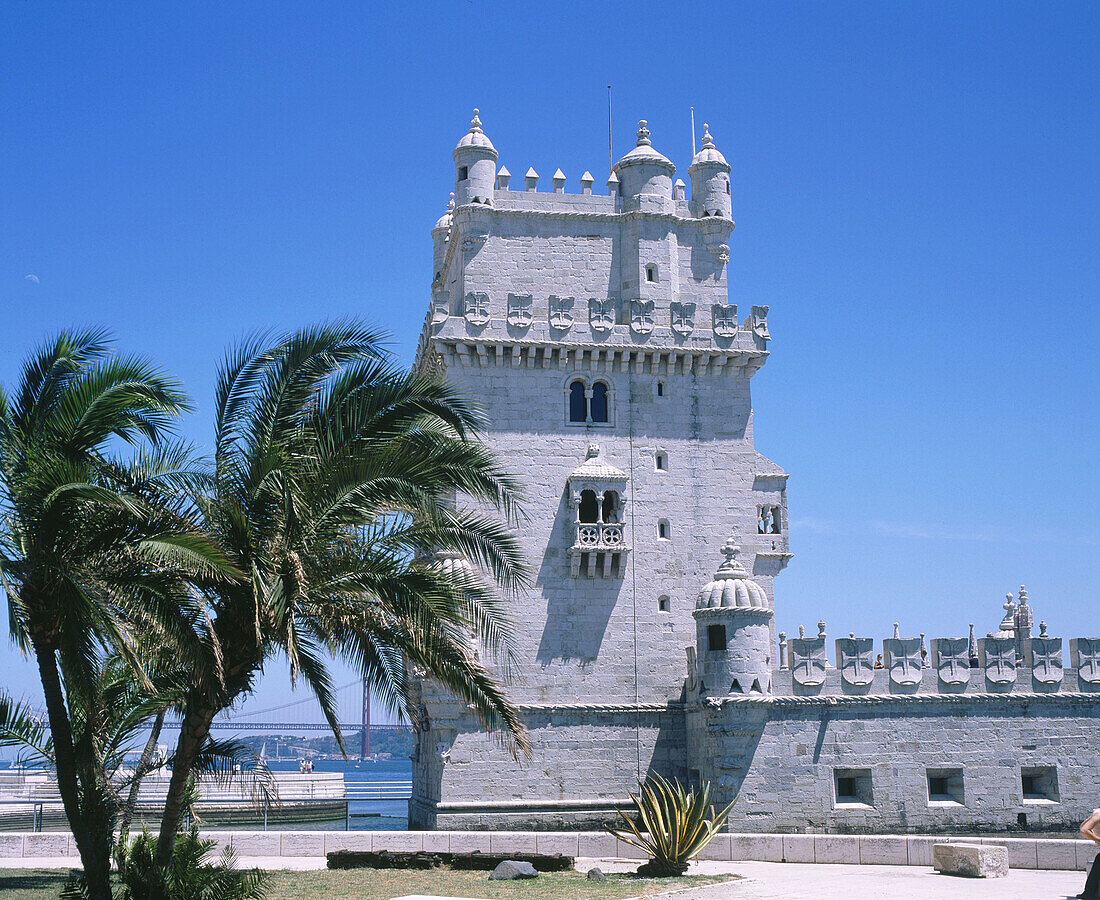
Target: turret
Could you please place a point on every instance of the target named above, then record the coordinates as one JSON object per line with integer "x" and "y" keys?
{"x": 710, "y": 180}
{"x": 733, "y": 632}
{"x": 440, "y": 234}
{"x": 644, "y": 171}
{"x": 475, "y": 166}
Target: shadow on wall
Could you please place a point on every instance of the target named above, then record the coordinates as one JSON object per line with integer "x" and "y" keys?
{"x": 577, "y": 609}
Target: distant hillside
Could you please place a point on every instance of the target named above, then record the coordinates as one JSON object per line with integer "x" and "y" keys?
{"x": 397, "y": 743}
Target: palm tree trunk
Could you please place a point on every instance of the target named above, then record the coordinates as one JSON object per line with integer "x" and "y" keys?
{"x": 142, "y": 768}
{"x": 96, "y": 861}
{"x": 193, "y": 732}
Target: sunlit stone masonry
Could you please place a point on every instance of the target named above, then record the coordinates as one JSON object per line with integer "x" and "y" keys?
{"x": 597, "y": 331}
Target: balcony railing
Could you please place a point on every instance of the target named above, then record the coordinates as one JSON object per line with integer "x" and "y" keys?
{"x": 599, "y": 536}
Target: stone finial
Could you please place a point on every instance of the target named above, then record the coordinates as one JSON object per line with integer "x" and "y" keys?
{"x": 897, "y": 634}
{"x": 782, "y": 649}
{"x": 731, "y": 567}
{"x": 558, "y": 178}
{"x": 643, "y": 134}
{"x": 532, "y": 178}
{"x": 801, "y": 632}
{"x": 1043, "y": 630}
{"x": 586, "y": 182}
{"x": 678, "y": 189}
{"x": 708, "y": 141}
{"x": 503, "y": 177}
{"x": 613, "y": 185}
{"x": 821, "y": 628}
{"x": 593, "y": 451}
{"x": 475, "y": 123}
{"x": 973, "y": 645}
{"x": 923, "y": 649}
{"x": 851, "y": 635}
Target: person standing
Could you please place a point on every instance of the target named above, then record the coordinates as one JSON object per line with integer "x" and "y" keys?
{"x": 1090, "y": 829}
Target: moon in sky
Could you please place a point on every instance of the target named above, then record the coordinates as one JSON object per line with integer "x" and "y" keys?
{"x": 31, "y": 278}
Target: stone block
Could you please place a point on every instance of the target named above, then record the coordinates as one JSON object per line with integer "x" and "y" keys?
{"x": 11, "y": 846}
{"x": 1056, "y": 854}
{"x": 883, "y": 850}
{"x": 512, "y": 842}
{"x": 836, "y": 848}
{"x": 971, "y": 860}
{"x": 1087, "y": 851}
{"x": 718, "y": 848}
{"x": 398, "y": 841}
{"x": 596, "y": 844}
{"x": 362, "y": 841}
{"x": 919, "y": 850}
{"x": 468, "y": 841}
{"x": 798, "y": 848}
{"x": 221, "y": 839}
{"x": 623, "y": 850}
{"x": 563, "y": 842}
{"x": 435, "y": 841}
{"x": 47, "y": 844}
{"x": 762, "y": 847}
{"x": 255, "y": 843}
{"x": 1021, "y": 851}
{"x": 302, "y": 843}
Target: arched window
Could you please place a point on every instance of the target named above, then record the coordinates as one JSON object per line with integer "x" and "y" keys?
{"x": 661, "y": 462}
{"x": 578, "y": 404}
{"x": 664, "y": 532}
{"x": 589, "y": 506}
{"x": 599, "y": 402}
{"x": 651, "y": 272}
{"x": 663, "y": 604}
{"x": 611, "y": 507}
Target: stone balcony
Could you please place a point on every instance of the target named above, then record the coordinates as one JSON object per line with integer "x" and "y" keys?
{"x": 599, "y": 547}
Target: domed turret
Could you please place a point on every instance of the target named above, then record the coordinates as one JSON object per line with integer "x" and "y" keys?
{"x": 643, "y": 170}
{"x": 710, "y": 180}
{"x": 440, "y": 233}
{"x": 475, "y": 166}
{"x": 733, "y": 631}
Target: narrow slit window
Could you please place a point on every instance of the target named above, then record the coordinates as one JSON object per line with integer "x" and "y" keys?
{"x": 599, "y": 402}
{"x": 660, "y": 388}
{"x": 661, "y": 461}
{"x": 578, "y": 403}
{"x": 663, "y": 604}
{"x": 651, "y": 272}
{"x": 663, "y": 530}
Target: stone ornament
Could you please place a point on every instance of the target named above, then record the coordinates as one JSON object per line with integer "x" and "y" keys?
{"x": 641, "y": 316}
{"x": 441, "y": 309}
{"x": 601, "y": 314}
{"x": 903, "y": 660}
{"x": 725, "y": 320}
{"x": 476, "y": 308}
{"x": 807, "y": 661}
{"x": 857, "y": 661}
{"x": 519, "y": 310}
{"x": 1085, "y": 653}
{"x": 1046, "y": 659}
{"x": 474, "y": 242}
{"x": 951, "y": 657}
{"x": 1000, "y": 660}
{"x": 561, "y": 313}
{"x": 683, "y": 317}
{"x": 721, "y": 253}
{"x": 760, "y": 322}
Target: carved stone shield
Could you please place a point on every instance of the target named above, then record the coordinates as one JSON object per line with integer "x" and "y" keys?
{"x": 561, "y": 312}
{"x": 683, "y": 317}
{"x": 856, "y": 659}
{"x": 1000, "y": 660}
{"x": 807, "y": 660}
{"x": 519, "y": 310}
{"x": 903, "y": 655}
{"x": 1087, "y": 652}
{"x": 1046, "y": 660}
{"x": 641, "y": 316}
{"x": 952, "y": 659}
{"x": 760, "y": 322}
{"x": 441, "y": 308}
{"x": 601, "y": 314}
{"x": 725, "y": 320}
{"x": 476, "y": 308}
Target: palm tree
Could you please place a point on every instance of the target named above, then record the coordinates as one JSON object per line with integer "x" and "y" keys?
{"x": 90, "y": 548}
{"x": 336, "y": 486}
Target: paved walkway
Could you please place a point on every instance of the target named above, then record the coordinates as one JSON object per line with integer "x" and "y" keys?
{"x": 777, "y": 881}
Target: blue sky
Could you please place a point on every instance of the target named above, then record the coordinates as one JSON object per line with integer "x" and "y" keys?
{"x": 915, "y": 185}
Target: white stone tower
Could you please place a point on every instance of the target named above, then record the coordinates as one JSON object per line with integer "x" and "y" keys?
{"x": 597, "y": 332}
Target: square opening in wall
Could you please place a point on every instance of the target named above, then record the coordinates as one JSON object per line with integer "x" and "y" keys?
{"x": 945, "y": 787}
{"x": 852, "y": 788}
{"x": 1040, "y": 784}
{"x": 716, "y": 638}
{"x": 463, "y": 173}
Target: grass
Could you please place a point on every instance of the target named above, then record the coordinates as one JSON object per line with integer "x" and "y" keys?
{"x": 382, "y": 884}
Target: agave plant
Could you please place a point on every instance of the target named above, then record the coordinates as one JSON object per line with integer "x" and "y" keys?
{"x": 670, "y": 824}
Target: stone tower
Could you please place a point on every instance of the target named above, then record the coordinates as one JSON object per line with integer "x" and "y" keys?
{"x": 597, "y": 332}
